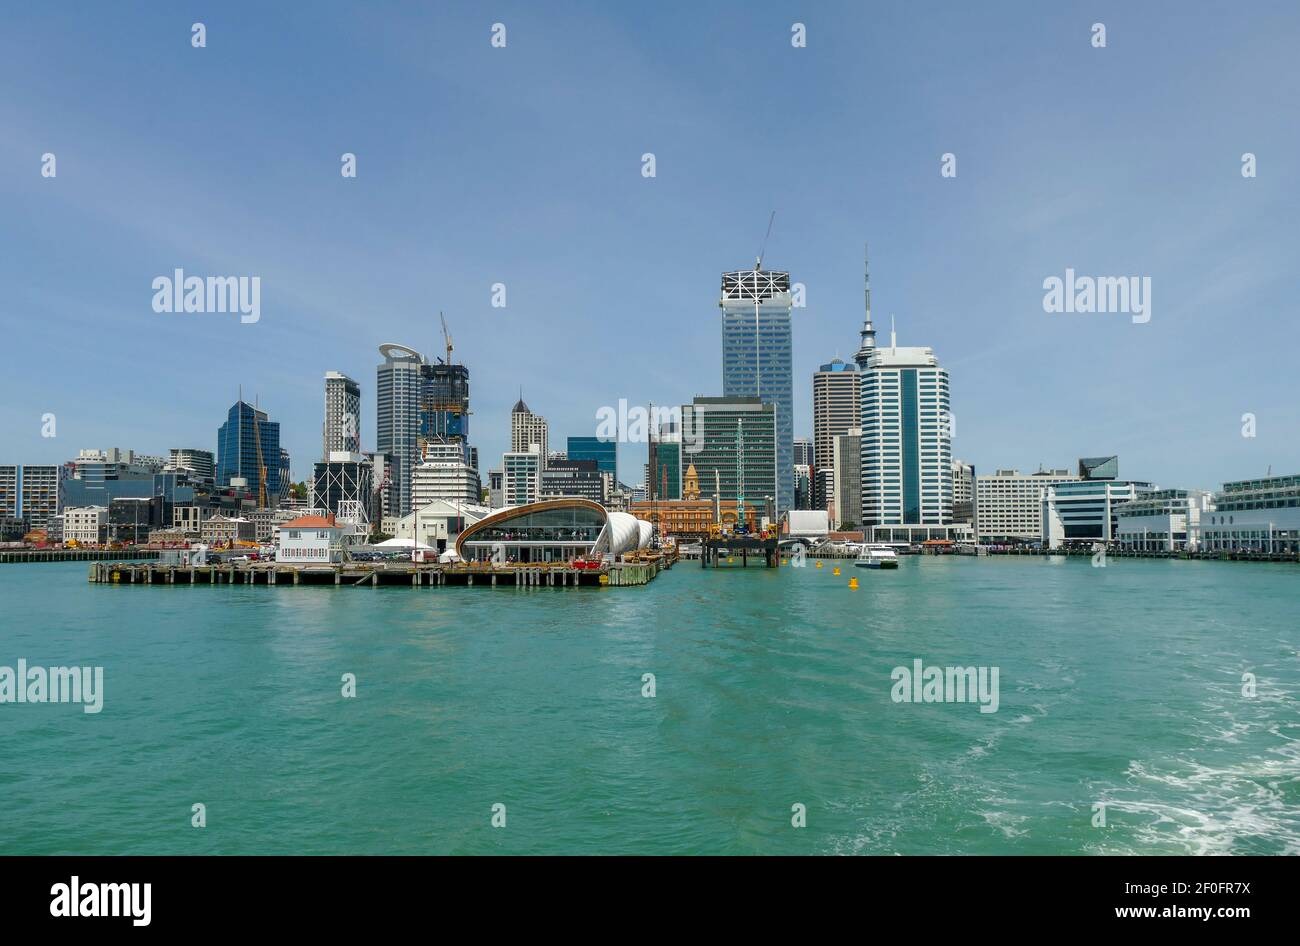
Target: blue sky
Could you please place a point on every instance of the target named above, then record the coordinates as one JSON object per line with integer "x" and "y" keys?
{"x": 522, "y": 166}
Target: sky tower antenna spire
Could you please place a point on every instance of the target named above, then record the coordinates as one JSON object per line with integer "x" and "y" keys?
{"x": 868, "y": 331}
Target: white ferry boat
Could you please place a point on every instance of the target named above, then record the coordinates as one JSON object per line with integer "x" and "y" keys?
{"x": 877, "y": 556}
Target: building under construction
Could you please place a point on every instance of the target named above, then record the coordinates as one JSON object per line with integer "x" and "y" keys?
{"x": 417, "y": 403}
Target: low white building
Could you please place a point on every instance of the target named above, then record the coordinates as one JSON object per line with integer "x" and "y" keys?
{"x": 1007, "y": 504}
{"x": 311, "y": 539}
{"x": 1087, "y": 511}
{"x": 1254, "y": 515}
{"x": 1168, "y": 520}
{"x": 809, "y": 524}
{"x": 85, "y": 525}
{"x": 438, "y": 523}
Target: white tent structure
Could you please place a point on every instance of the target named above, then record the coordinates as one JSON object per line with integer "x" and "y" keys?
{"x": 647, "y": 533}
{"x": 622, "y": 534}
{"x": 408, "y": 544}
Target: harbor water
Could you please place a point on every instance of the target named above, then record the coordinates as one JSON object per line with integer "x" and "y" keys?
{"x": 1156, "y": 694}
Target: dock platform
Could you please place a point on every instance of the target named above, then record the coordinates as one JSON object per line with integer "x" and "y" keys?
{"x": 724, "y": 551}
{"x": 358, "y": 574}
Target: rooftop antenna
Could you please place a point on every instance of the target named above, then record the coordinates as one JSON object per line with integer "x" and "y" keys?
{"x": 893, "y": 338}
{"x": 763, "y": 249}
{"x": 866, "y": 277}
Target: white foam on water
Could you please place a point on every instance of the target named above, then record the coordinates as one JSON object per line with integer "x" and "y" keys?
{"x": 1212, "y": 809}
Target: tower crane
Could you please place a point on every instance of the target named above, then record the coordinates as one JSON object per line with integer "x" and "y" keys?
{"x": 446, "y": 336}
{"x": 261, "y": 463}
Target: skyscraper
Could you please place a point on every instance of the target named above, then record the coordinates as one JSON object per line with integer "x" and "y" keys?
{"x": 342, "y": 429}
{"x": 731, "y": 443}
{"x": 803, "y": 451}
{"x": 526, "y": 429}
{"x": 248, "y": 446}
{"x": 398, "y": 391}
{"x": 906, "y": 447}
{"x": 847, "y": 464}
{"x": 444, "y": 405}
{"x": 756, "y": 357}
{"x": 837, "y": 409}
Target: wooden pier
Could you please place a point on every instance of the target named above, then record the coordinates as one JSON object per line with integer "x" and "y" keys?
{"x": 74, "y": 555}
{"x": 366, "y": 574}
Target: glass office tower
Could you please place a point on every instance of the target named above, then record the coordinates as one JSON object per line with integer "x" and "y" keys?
{"x": 756, "y": 357}
{"x": 604, "y": 452}
{"x": 238, "y": 454}
{"x": 398, "y": 390}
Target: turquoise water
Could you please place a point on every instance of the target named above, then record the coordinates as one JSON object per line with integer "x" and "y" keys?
{"x": 1119, "y": 686}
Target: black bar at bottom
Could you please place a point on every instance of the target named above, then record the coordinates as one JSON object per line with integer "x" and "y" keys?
{"x": 1223, "y": 896}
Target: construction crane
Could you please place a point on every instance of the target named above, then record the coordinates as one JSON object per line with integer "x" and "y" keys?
{"x": 261, "y": 463}
{"x": 446, "y": 336}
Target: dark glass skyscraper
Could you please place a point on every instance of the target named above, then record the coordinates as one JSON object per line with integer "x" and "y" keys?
{"x": 238, "y": 440}
{"x": 604, "y": 452}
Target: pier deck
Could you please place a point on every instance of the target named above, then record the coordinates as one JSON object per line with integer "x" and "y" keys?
{"x": 356, "y": 574}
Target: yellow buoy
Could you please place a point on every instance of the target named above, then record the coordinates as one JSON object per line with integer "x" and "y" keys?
{"x": 853, "y": 583}
{"x": 819, "y": 563}
{"x": 837, "y": 570}
{"x": 729, "y": 559}
{"x": 782, "y": 561}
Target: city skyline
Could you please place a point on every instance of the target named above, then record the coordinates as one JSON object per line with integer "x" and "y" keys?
{"x": 544, "y": 194}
